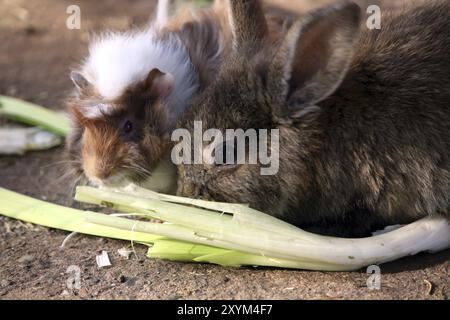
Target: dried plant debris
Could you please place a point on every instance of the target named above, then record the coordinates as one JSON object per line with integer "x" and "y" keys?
{"x": 17, "y": 141}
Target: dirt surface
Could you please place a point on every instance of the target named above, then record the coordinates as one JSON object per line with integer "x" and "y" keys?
{"x": 36, "y": 53}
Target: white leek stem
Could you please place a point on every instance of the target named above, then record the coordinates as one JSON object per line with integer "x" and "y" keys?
{"x": 428, "y": 234}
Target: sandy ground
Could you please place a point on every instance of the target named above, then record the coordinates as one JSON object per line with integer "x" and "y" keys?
{"x": 36, "y": 53}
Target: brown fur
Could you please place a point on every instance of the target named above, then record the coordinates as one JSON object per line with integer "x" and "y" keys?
{"x": 208, "y": 37}
{"x": 373, "y": 151}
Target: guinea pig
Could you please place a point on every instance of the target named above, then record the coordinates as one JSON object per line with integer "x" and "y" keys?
{"x": 134, "y": 86}
{"x": 363, "y": 119}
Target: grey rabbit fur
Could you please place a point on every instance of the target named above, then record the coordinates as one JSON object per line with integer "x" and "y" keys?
{"x": 364, "y": 118}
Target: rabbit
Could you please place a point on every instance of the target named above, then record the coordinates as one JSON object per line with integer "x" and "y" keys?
{"x": 363, "y": 118}
{"x": 134, "y": 86}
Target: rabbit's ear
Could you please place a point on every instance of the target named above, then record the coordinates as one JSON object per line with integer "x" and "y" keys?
{"x": 248, "y": 23}
{"x": 164, "y": 11}
{"x": 314, "y": 57}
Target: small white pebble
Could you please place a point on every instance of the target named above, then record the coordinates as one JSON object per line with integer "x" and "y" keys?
{"x": 125, "y": 253}
{"x": 26, "y": 258}
{"x": 4, "y": 283}
{"x": 103, "y": 260}
{"x": 65, "y": 293}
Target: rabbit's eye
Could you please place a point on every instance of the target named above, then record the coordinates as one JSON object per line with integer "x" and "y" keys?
{"x": 128, "y": 127}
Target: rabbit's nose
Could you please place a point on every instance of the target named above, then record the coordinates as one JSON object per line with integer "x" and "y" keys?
{"x": 201, "y": 175}
{"x": 188, "y": 190}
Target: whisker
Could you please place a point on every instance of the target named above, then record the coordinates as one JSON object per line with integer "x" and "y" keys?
{"x": 138, "y": 169}
{"x": 76, "y": 182}
{"x": 61, "y": 164}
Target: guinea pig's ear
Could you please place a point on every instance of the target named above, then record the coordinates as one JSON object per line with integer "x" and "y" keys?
{"x": 80, "y": 82}
{"x": 314, "y": 58}
{"x": 159, "y": 84}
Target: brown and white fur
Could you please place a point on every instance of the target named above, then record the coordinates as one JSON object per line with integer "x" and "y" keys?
{"x": 364, "y": 118}
{"x": 134, "y": 86}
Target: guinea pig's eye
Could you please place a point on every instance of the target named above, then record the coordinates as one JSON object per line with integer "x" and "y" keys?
{"x": 128, "y": 127}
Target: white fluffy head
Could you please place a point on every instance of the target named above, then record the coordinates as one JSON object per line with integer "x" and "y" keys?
{"x": 119, "y": 60}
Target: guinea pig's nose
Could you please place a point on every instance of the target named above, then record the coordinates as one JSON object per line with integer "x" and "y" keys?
{"x": 96, "y": 182}
{"x": 95, "y": 173}
{"x": 102, "y": 178}
{"x": 103, "y": 174}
